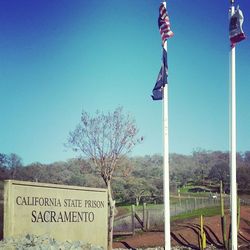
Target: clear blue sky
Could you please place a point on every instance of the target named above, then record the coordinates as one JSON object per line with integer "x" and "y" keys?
{"x": 58, "y": 57}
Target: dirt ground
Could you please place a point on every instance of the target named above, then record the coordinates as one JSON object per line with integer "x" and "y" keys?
{"x": 185, "y": 233}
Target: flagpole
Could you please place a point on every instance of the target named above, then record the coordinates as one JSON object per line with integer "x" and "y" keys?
{"x": 233, "y": 180}
{"x": 166, "y": 164}
{"x": 166, "y": 167}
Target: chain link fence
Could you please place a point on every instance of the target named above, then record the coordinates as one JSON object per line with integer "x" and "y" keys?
{"x": 153, "y": 218}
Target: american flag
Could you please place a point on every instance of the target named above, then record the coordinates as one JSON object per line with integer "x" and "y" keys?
{"x": 164, "y": 27}
{"x": 164, "y": 24}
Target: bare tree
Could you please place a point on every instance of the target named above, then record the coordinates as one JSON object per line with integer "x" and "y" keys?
{"x": 105, "y": 138}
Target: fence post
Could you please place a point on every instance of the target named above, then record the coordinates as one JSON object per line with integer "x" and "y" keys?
{"x": 133, "y": 219}
{"x": 144, "y": 216}
{"x": 180, "y": 201}
{"x": 147, "y": 223}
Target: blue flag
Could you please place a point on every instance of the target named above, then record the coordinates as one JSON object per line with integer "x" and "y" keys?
{"x": 162, "y": 78}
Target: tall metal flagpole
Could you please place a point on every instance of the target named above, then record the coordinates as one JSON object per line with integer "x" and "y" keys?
{"x": 166, "y": 165}
{"x": 233, "y": 181}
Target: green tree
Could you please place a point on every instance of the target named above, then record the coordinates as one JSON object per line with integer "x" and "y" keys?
{"x": 181, "y": 169}
{"x": 220, "y": 167}
{"x": 33, "y": 172}
{"x": 247, "y": 158}
{"x": 137, "y": 188}
{"x": 220, "y": 172}
{"x": 243, "y": 179}
{"x": 10, "y": 164}
{"x": 202, "y": 159}
{"x": 4, "y": 172}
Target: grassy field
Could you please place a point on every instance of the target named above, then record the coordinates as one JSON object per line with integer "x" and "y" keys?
{"x": 207, "y": 212}
{"x": 123, "y": 210}
{"x": 156, "y": 216}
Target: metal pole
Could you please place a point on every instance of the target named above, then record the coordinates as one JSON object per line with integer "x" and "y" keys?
{"x": 166, "y": 165}
{"x": 233, "y": 180}
{"x": 166, "y": 170}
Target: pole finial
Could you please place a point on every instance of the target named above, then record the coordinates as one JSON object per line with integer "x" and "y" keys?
{"x": 231, "y": 1}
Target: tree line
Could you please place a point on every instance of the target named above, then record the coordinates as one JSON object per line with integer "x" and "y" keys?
{"x": 138, "y": 177}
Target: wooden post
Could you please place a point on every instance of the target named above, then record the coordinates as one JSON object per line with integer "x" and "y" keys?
{"x": 238, "y": 215}
{"x": 144, "y": 215}
{"x": 223, "y": 218}
{"x": 148, "y": 222}
{"x": 186, "y": 206}
{"x": 133, "y": 219}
